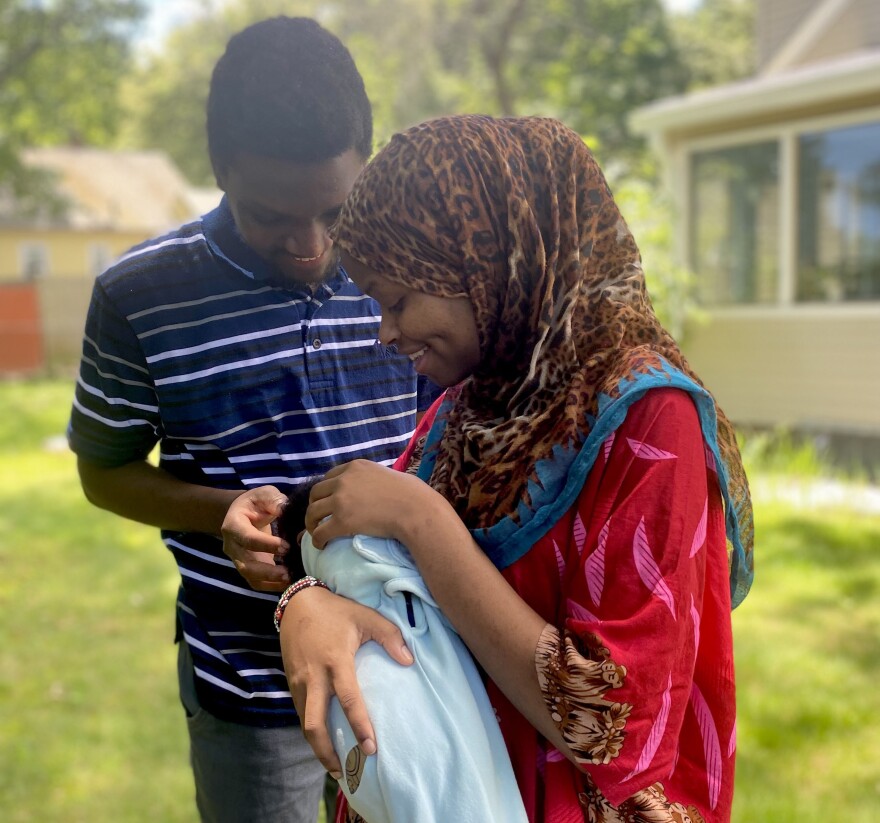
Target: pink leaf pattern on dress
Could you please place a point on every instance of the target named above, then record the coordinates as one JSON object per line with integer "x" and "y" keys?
{"x": 609, "y": 442}
{"x": 641, "y": 449}
{"x": 594, "y": 568}
{"x": 578, "y": 612}
{"x": 648, "y": 569}
{"x": 710, "y": 460}
{"x": 674, "y": 762}
{"x": 656, "y": 734}
{"x": 555, "y": 756}
{"x": 700, "y": 534}
{"x": 695, "y": 617}
{"x": 731, "y": 746}
{"x": 560, "y": 561}
{"x": 579, "y": 533}
{"x": 711, "y": 745}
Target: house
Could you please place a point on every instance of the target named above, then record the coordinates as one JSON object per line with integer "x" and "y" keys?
{"x": 114, "y": 200}
{"x": 776, "y": 182}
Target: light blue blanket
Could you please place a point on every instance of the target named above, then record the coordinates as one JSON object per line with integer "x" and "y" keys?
{"x": 441, "y": 756}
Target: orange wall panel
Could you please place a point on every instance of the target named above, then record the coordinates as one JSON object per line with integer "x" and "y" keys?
{"x": 21, "y": 338}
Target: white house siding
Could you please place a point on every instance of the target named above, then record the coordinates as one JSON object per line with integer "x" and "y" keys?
{"x": 810, "y": 370}
{"x": 812, "y": 367}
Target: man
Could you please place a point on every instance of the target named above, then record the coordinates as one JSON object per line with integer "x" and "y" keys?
{"x": 239, "y": 346}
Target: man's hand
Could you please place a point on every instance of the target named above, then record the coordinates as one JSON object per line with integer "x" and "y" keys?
{"x": 248, "y": 540}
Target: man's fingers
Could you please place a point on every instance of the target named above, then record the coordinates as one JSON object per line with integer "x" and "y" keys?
{"x": 256, "y": 541}
{"x": 262, "y": 574}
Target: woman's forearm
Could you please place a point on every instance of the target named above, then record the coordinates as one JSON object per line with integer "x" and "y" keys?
{"x": 499, "y": 628}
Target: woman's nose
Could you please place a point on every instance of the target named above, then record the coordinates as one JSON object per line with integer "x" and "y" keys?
{"x": 388, "y": 333}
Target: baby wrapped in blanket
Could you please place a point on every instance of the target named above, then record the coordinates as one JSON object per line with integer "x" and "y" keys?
{"x": 441, "y": 756}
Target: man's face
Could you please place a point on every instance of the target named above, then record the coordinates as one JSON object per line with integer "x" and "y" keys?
{"x": 283, "y": 210}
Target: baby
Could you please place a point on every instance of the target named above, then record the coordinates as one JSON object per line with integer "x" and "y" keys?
{"x": 441, "y": 756}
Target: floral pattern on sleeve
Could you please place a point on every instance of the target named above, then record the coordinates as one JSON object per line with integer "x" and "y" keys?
{"x": 574, "y": 674}
{"x": 650, "y": 805}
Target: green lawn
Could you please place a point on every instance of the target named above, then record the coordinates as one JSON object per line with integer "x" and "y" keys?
{"x": 90, "y": 728}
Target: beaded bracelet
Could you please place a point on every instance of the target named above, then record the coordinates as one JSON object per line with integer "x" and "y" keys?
{"x": 303, "y": 583}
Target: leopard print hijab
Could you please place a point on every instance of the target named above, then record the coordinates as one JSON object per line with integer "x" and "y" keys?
{"x": 516, "y": 215}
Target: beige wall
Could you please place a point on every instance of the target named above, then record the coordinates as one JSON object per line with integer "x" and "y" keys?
{"x": 776, "y": 20}
{"x": 64, "y": 302}
{"x": 809, "y": 368}
{"x": 847, "y": 26}
{"x": 69, "y": 252}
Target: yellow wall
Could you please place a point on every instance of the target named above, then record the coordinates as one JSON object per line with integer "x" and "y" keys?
{"x": 811, "y": 368}
{"x": 69, "y": 252}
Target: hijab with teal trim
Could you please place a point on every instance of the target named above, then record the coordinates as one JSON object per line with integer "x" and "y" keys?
{"x": 516, "y": 215}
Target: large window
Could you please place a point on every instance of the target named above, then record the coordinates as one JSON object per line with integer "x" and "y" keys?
{"x": 832, "y": 241}
{"x": 839, "y": 214}
{"x": 735, "y": 223}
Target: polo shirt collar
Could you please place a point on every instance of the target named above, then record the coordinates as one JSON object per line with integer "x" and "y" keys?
{"x": 225, "y": 242}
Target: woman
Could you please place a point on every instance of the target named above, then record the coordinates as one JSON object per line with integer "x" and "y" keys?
{"x": 578, "y": 489}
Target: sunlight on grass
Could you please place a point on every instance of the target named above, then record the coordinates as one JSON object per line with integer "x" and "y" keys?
{"x": 808, "y": 658}
{"x": 90, "y": 724}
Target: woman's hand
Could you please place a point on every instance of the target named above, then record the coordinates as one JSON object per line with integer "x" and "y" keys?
{"x": 320, "y": 633}
{"x": 363, "y": 497}
{"x": 248, "y": 540}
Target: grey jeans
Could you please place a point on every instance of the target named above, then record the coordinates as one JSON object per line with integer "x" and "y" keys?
{"x": 245, "y": 774}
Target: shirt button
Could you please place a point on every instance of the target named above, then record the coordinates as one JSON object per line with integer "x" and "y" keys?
{"x": 316, "y": 343}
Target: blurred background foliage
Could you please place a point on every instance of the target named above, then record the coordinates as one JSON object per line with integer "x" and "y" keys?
{"x": 81, "y": 72}
{"x": 77, "y": 71}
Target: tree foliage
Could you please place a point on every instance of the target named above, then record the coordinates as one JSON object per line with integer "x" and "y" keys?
{"x": 588, "y": 62}
{"x": 61, "y": 62}
{"x": 718, "y": 38}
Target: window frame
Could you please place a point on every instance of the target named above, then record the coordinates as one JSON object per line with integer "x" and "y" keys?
{"x": 786, "y": 135}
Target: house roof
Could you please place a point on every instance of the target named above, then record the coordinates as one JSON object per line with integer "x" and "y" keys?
{"x": 856, "y": 75}
{"x": 131, "y": 191}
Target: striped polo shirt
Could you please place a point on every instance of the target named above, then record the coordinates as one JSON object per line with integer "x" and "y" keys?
{"x": 192, "y": 342}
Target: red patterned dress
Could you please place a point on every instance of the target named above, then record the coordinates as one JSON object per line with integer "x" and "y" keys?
{"x": 636, "y": 663}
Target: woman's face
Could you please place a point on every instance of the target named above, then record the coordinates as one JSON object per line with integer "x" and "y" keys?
{"x": 439, "y": 334}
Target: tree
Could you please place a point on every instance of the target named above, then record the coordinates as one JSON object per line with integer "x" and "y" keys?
{"x": 586, "y": 61}
{"x": 60, "y": 67}
{"x": 718, "y": 41}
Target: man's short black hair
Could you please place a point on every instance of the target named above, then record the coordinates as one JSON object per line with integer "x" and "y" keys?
{"x": 288, "y": 89}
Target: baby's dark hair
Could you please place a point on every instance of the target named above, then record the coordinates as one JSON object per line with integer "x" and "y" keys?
{"x": 291, "y": 522}
{"x": 288, "y": 89}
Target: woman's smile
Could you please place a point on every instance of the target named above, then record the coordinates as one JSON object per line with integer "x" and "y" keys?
{"x": 438, "y": 334}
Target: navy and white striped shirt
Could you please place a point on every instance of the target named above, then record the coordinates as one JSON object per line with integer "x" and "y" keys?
{"x": 243, "y": 381}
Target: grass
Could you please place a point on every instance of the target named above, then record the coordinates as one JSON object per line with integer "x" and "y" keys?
{"x": 90, "y": 725}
